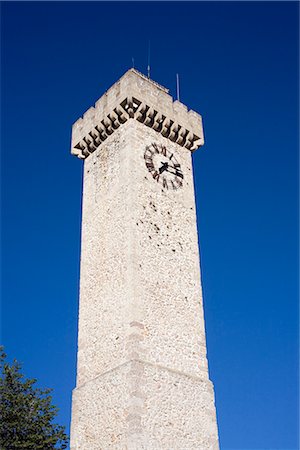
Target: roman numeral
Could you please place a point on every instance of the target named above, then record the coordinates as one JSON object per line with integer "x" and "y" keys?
{"x": 165, "y": 183}
{"x": 148, "y": 154}
{"x": 155, "y": 148}
{"x": 179, "y": 174}
{"x": 150, "y": 165}
{"x": 178, "y": 182}
{"x": 163, "y": 150}
{"x": 156, "y": 176}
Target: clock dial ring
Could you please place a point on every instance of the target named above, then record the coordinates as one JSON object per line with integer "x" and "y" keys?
{"x": 164, "y": 166}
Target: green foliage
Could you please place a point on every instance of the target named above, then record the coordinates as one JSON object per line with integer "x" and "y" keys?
{"x": 26, "y": 412}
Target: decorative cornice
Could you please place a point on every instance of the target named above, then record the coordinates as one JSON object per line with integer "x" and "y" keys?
{"x": 132, "y": 108}
{"x": 134, "y": 96}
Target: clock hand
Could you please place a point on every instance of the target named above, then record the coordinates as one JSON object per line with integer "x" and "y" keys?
{"x": 163, "y": 167}
{"x": 177, "y": 172}
{"x": 170, "y": 167}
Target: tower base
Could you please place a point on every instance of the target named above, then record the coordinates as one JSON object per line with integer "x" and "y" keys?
{"x": 138, "y": 406}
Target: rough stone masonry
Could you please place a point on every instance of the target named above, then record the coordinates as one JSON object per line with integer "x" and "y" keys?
{"x": 142, "y": 373}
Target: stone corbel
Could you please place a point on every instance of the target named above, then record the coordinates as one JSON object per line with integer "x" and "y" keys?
{"x": 189, "y": 140}
{"x": 166, "y": 127}
{"x": 142, "y": 112}
{"x": 77, "y": 151}
{"x": 90, "y": 143}
{"x": 95, "y": 136}
{"x": 196, "y": 143}
{"x": 130, "y": 109}
{"x": 107, "y": 125}
{"x": 150, "y": 117}
{"x": 158, "y": 122}
{"x": 174, "y": 132}
{"x": 121, "y": 116}
{"x": 85, "y": 148}
{"x": 136, "y": 105}
{"x": 101, "y": 132}
{"x": 182, "y": 136}
{"x": 114, "y": 120}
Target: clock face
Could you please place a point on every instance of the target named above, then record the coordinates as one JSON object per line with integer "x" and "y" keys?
{"x": 163, "y": 166}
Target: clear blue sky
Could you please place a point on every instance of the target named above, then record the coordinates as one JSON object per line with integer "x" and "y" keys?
{"x": 238, "y": 67}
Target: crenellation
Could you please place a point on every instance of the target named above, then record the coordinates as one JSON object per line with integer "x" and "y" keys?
{"x": 179, "y": 107}
{"x": 136, "y": 97}
{"x": 112, "y": 95}
{"x": 89, "y": 115}
{"x": 100, "y": 106}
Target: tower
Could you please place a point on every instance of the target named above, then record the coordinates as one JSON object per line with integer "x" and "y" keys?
{"x": 142, "y": 374}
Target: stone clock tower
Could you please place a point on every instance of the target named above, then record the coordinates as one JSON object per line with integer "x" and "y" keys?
{"x": 142, "y": 374}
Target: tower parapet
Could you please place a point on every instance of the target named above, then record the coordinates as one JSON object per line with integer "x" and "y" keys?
{"x": 136, "y": 97}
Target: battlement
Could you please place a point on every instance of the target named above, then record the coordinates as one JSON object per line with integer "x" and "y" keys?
{"x": 136, "y": 97}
